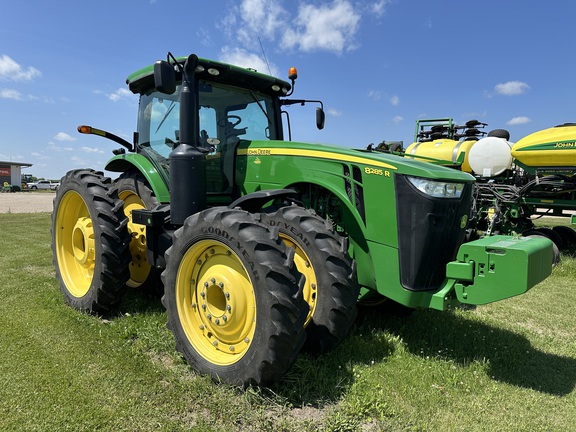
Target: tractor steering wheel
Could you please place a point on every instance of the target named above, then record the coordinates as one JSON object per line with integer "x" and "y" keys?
{"x": 234, "y": 120}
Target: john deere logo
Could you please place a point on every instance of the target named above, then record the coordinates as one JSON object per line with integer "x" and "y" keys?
{"x": 463, "y": 221}
{"x": 257, "y": 161}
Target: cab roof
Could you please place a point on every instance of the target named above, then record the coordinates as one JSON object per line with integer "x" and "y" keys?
{"x": 142, "y": 80}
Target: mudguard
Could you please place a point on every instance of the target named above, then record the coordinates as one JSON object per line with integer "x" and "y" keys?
{"x": 130, "y": 161}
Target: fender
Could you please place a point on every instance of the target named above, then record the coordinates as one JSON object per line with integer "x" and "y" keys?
{"x": 130, "y": 161}
{"x": 253, "y": 202}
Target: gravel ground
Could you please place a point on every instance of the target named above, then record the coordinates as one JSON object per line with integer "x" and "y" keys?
{"x": 26, "y": 202}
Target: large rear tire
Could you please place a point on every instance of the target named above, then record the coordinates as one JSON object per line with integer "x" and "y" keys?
{"x": 234, "y": 298}
{"x": 567, "y": 234}
{"x": 555, "y": 250}
{"x": 135, "y": 192}
{"x": 90, "y": 241}
{"x": 331, "y": 289}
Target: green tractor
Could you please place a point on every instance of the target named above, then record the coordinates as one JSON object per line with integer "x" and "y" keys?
{"x": 263, "y": 247}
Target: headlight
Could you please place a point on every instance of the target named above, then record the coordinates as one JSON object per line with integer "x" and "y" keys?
{"x": 438, "y": 189}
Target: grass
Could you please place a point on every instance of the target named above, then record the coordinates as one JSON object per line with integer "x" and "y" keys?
{"x": 508, "y": 366}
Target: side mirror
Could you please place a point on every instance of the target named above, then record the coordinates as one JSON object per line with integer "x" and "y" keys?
{"x": 320, "y": 118}
{"x": 164, "y": 77}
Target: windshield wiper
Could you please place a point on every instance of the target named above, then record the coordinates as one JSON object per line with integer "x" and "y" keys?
{"x": 260, "y": 106}
{"x": 170, "y": 108}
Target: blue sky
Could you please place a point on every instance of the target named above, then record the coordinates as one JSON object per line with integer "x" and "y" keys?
{"x": 378, "y": 66}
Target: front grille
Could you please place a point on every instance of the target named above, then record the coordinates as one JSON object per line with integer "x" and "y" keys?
{"x": 359, "y": 192}
{"x": 429, "y": 234}
{"x": 354, "y": 189}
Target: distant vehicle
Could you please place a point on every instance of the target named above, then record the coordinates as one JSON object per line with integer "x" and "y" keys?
{"x": 43, "y": 184}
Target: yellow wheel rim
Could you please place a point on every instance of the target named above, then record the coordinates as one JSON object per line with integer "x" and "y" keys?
{"x": 75, "y": 245}
{"x": 139, "y": 267}
{"x": 216, "y": 302}
{"x": 304, "y": 266}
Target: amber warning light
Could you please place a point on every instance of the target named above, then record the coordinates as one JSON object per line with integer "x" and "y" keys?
{"x": 292, "y": 73}
{"x": 90, "y": 130}
{"x": 84, "y": 129}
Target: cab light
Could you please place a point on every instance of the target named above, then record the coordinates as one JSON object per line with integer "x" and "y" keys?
{"x": 437, "y": 189}
{"x": 292, "y": 73}
{"x": 213, "y": 71}
{"x": 276, "y": 87}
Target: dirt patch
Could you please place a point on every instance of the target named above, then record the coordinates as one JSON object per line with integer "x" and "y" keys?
{"x": 26, "y": 202}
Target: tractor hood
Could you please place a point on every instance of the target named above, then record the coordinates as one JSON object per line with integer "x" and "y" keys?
{"x": 370, "y": 159}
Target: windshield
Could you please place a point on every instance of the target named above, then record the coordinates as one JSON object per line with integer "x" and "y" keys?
{"x": 227, "y": 114}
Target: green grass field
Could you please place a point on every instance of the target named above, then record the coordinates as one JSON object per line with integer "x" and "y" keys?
{"x": 509, "y": 366}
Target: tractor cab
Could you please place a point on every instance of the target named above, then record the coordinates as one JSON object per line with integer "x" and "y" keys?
{"x": 213, "y": 107}
{"x": 227, "y": 114}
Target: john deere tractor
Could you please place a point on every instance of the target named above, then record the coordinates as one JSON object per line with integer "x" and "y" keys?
{"x": 262, "y": 247}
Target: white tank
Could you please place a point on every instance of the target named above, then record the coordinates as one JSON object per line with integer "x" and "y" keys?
{"x": 490, "y": 156}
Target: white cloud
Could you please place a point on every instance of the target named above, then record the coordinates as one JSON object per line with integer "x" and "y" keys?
{"x": 63, "y": 136}
{"x": 10, "y": 94}
{"x": 11, "y": 157}
{"x": 398, "y": 119}
{"x": 518, "y": 121}
{"x": 78, "y": 161}
{"x": 121, "y": 93}
{"x": 203, "y": 36}
{"x": 511, "y": 88}
{"x": 92, "y": 150}
{"x": 40, "y": 156}
{"x": 261, "y": 18}
{"x": 12, "y": 71}
{"x": 241, "y": 57}
{"x": 334, "y": 113}
{"x": 375, "y": 95}
{"x": 55, "y": 148}
{"x": 327, "y": 27}
{"x": 395, "y": 100}
{"x": 377, "y": 8}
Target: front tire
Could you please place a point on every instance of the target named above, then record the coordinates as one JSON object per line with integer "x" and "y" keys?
{"x": 331, "y": 289}
{"x": 90, "y": 241}
{"x": 234, "y": 298}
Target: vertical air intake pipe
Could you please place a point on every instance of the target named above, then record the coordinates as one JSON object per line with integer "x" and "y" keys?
{"x": 187, "y": 163}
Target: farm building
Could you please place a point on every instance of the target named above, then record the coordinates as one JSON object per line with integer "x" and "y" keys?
{"x": 11, "y": 172}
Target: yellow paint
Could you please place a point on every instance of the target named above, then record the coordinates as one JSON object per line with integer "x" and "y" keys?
{"x": 552, "y": 147}
{"x": 304, "y": 266}
{"x": 216, "y": 302}
{"x": 447, "y": 150}
{"x": 139, "y": 267}
{"x": 75, "y": 244}
{"x": 315, "y": 154}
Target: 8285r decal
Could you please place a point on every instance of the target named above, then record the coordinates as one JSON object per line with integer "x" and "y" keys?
{"x": 376, "y": 171}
